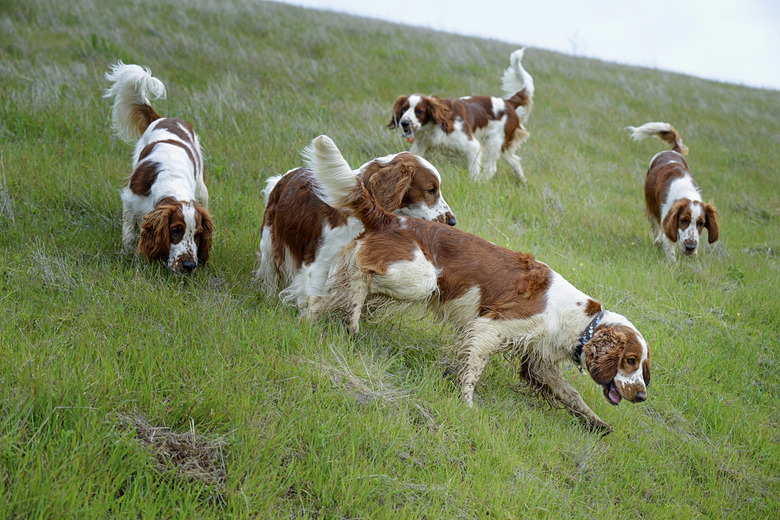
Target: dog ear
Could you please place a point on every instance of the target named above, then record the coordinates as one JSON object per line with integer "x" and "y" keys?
{"x": 441, "y": 114}
{"x": 646, "y": 370}
{"x": 397, "y": 111}
{"x": 670, "y": 220}
{"x": 388, "y": 183}
{"x": 602, "y": 354}
{"x": 207, "y": 231}
{"x": 155, "y": 241}
{"x": 711, "y": 222}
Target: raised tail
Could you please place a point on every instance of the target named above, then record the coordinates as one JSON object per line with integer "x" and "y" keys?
{"x": 663, "y": 131}
{"x": 338, "y": 186}
{"x": 131, "y": 87}
{"x": 518, "y": 85}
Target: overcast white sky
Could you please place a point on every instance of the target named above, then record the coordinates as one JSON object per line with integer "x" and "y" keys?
{"x": 737, "y": 41}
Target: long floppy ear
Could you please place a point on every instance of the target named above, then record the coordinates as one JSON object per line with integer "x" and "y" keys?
{"x": 602, "y": 354}
{"x": 397, "y": 111}
{"x": 388, "y": 184}
{"x": 155, "y": 239}
{"x": 670, "y": 220}
{"x": 207, "y": 231}
{"x": 441, "y": 114}
{"x": 711, "y": 222}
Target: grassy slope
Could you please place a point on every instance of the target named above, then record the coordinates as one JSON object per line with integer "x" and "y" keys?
{"x": 315, "y": 424}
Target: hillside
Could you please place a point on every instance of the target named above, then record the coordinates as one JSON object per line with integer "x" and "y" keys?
{"x": 127, "y": 391}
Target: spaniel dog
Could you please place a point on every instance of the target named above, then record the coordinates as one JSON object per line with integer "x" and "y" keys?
{"x": 302, "y": 236}
{"x": 499, "y": 301}
{"x": 483, "y": 128}
{"x": 672, "y": 200}
{"x": 165, "y": 194}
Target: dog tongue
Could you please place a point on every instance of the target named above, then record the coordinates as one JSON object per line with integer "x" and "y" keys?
{"x": 614, "y": 395}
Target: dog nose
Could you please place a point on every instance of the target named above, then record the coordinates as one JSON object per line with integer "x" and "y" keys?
{"x": 451, "y": 221}
{"x": 690, "y": 247}
{"x": 641, "y": 397}
{"x": 404, "y": 124}
{"x": 188, "y": 265}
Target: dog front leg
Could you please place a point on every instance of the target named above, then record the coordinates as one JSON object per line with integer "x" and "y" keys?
{"x": 556, "y": 385}
{"x": 128, "y": 231}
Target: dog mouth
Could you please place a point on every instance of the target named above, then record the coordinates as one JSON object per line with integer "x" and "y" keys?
{"x": 611, "y": 393}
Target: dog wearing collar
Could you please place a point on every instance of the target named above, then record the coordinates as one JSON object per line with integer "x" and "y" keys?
{"x": 499, "y": 301}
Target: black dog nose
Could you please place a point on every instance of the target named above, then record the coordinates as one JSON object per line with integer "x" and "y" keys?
{"x": 690, "y": 247}
{"x": 404, "y": 124}
{"x": 188, "y": 265}
{"x": 641, "y": 396}
{"x": 451, "y": 221}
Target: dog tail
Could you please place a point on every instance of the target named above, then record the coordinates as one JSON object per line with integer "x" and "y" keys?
{"x": 338, "y": 186}
{"x": 663, "y": 131}
{"x": 518, "y": 85}
{"x": 131, "y": 86}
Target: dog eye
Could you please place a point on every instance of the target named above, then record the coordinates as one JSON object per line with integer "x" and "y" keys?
{"x": 176, "y": 232}
{"x": 432, "y": 191}
{"x": 631, "y": 361}
{"x": 685, "y": 222}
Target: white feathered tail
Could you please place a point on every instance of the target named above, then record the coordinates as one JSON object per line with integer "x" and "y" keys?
{"x": 515, "y": 80}
{"x": 663, "y": 131}
{"x": 131, "y": 87}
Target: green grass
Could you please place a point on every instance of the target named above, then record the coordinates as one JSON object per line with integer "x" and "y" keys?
{"x": 126, "y": 391}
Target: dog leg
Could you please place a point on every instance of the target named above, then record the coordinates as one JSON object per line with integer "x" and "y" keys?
{"x": 418, "y": 148}
{"x": 514, "y": 163}
{"x": 474, "y": 159}
{"x": 480, "y": 344}
{"x": 129, "y": 237}
{"x": 556, "y": 385}
{"x": 670, "y": 248}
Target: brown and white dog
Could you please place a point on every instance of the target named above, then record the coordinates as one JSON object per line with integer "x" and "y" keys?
{"x": 165, "y": 194}
{"x": 499, "y": 301}
{"x": 483, "y": 128}
{"x": 302, "y": 237}
{"x": 672, "y": 200}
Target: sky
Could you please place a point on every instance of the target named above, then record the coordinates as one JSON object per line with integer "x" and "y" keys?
{"x": 734, "y": 41}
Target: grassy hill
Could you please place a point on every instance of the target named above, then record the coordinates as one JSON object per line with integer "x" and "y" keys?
{"x": 126, "y": 391}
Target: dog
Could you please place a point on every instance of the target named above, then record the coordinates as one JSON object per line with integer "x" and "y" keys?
{"x": 483, "y": 128}
{"x": 302, "y": 236}
{"x": 165, "y": 194}
{"x": 672, "y": 200}
{"x": 499, "y": 301}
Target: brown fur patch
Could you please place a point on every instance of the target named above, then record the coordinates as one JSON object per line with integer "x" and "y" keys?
{"x": 297, "y": 216}
{"x": 592, "y": 307}
{"x": 143, "y": 177}
{"x": 155, "y": 241}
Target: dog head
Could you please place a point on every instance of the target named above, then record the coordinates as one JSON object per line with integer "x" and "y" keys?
{"x": 618, "y": 358}
{"x": 409, "y": 185}
{"x": 685, "y": 222}
{"x": 410, "y": 113}
{"x": 178, "y": 232}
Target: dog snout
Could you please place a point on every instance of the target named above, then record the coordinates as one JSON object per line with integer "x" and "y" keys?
{"x": 690, "y": 247}
{"x": 451, "y": 221}
{"x": 188, "y": 266}
{"x": 641, "y": 397}
{"x": 404, "y": 124}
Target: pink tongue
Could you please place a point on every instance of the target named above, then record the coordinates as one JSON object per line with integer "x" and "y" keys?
{"x": 614, "y": 395}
